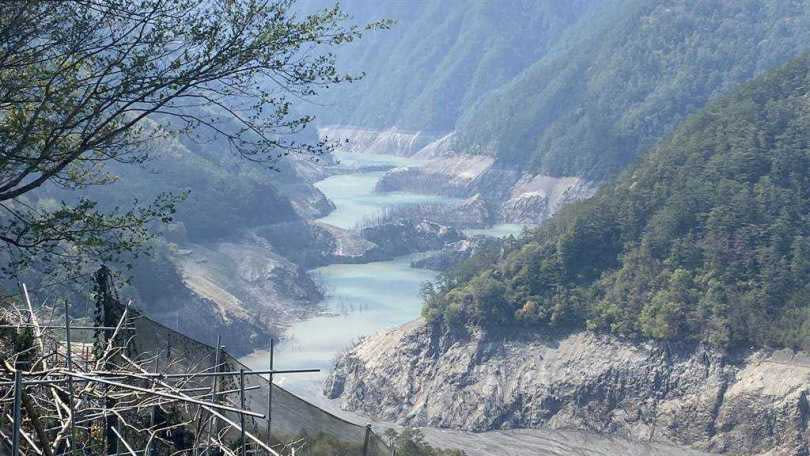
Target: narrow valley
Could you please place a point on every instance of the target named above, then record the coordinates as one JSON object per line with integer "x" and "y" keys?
{"x": 370, "y": 299}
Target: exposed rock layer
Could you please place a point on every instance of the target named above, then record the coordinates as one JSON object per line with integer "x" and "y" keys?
{"x": 391, "y": 141}
{"x": 241, "y": 290}
{"x": 510, "y": 195}
{"x": 753, "y": 402}
{"x": 514, "y": 197}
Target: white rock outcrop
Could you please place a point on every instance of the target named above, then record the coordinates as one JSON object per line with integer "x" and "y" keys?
{"x": 749, "y": 402}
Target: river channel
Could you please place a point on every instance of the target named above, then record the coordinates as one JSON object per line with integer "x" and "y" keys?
{"x": 362, "y": 299}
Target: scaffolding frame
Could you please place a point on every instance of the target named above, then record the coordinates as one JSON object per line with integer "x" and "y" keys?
{"x": 109, "y": 396}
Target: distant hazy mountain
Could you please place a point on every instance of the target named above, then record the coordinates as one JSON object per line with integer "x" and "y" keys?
{"x": 441, "y": 56}
{"x": 562, "y": 88}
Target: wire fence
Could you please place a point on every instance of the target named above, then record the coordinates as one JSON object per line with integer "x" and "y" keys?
{"x": 136, "y": 366}
{"x": 292, "y": 417}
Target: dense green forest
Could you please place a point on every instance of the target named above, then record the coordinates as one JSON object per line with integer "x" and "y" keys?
{"x": 627, "y": 77}
{"x": 707, "y": 238}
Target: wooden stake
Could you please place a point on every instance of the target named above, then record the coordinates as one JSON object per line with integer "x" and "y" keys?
{"x": 15, "y": 436}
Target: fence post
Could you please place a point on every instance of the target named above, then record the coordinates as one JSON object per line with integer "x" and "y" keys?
{"x": 242, "y": 404}
{"x": 110, "y": 423}
{"x": 69, "y": 366}
{"x": 270, "y": 397}
{"x": 15, "y": 436}
{"x": 365, "y": 441}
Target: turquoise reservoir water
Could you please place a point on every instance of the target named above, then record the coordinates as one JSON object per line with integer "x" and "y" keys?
{"x": 356, "y": 201}
{"x": 361, "y": 299}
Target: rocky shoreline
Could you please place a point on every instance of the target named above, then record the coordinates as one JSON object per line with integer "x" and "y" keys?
{"x": 747, "y": 402}
{"x": 277, "y": 290}
{"x": 504, "y": 194}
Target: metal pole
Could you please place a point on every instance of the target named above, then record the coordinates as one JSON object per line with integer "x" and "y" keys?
{"x": 270, "y": 396}
{"x": 202, "y": 374}
{"x": 213, "y": 423}
{"x": 15, "y": 436}
{"x": 365, "y": 441}
{"x": 69, "y": 366}
{"x": 242, "y": 406}
{"x": 168, "y": 395}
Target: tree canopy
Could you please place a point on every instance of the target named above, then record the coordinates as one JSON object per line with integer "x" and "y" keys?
{"x": 84, "y": 83}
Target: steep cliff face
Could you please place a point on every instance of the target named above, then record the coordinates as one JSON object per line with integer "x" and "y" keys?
{"x": 753, "y": 402}
{"x": 241, "y": 289}
{"x": 536, "y": 198}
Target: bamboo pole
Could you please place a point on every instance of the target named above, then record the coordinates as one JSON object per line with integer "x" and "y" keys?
{"x": 62, "y": 327}
{"x": 126, "y": 445}
{"x": 204, "y": 374}
{"x": 182, "y": 398}
{"x": 8, "y": 439}
{"x": 26, "y": 437}
{"x": 153, "y": 449}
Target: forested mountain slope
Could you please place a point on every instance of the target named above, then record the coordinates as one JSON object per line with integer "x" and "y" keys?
{"x": 707, "y": 239}
{"x": 208, "y": 264}
{"x": 560, "y": 88}
{"x": 632, "y": 75}
{"x": 440, "y": 57}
